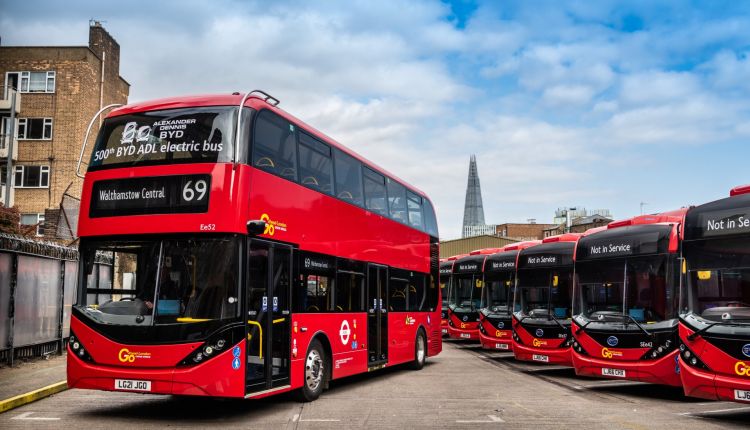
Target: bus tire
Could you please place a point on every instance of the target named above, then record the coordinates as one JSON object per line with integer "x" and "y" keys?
{"x": 315, "y": 369}
{"x": 420, "y": 351}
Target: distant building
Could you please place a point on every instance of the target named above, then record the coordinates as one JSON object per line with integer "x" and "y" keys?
{"x": 520, "y": 231}
{"x": 565, "y": 216}
{"x": 59, "y": 89}
{"x": 582, "y": 224}
{"x": 449, "y": 248}
{"x": 473, "y": 224}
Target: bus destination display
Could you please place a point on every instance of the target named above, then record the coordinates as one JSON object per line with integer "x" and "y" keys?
{"x": 150, "y": 195}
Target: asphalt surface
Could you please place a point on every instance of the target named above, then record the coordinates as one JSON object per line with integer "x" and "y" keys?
{"x": 464, "y": 387}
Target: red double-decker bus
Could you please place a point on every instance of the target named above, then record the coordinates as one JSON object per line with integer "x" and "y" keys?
{"x": 715, "y": 308}
{"x": 228, "y": 249}
{"x": 542, "y": 301}
{"x": 496, "y": 309}
{"x": 626, "y": 300}
{"x": 465, "y": 299}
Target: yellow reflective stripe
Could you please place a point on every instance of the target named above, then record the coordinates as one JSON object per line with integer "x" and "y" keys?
{"x": 188, "y": 319}
{"x": 276, "y": 321}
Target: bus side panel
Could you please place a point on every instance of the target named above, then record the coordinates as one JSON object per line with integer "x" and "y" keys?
{"x": 323, "y": 224}
{"x": 346, "y": 333}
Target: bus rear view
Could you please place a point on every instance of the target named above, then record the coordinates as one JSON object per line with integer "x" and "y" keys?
{"x": 625, "y": 301}
{"x": 715, "y": 311}
{"x": 542, "y": 304}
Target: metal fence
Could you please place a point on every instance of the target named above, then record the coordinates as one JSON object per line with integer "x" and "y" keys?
{"x": 37, "y": 291}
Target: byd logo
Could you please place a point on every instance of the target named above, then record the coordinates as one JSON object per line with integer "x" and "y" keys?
{"x": 126, "y": 356}
{"x": 741, "y": 368}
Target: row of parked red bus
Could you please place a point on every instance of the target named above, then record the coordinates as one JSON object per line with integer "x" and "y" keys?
{"x": 659, "y": 298}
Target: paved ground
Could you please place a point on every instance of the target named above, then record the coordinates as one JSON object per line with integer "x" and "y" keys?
{"x": 463, "y": 387}
{"x": 27, "y": 376}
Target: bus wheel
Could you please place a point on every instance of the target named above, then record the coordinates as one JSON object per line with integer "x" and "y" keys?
{"x": 420, "y": 351}
{"x": 315, "y": 372}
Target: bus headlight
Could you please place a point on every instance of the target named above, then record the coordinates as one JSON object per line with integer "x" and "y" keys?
{"x": 76, "y": 346}
{"x": 215, "y": 344}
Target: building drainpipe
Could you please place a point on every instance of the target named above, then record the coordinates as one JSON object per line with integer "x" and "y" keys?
{"x": 101, "y": 87}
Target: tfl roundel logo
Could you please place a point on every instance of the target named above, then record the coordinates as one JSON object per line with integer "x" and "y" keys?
{"x": 746, "y": 349}
{"x": 612, "y": 341}
{"x": 539, "y": 332}
{"x": 500, "y": 324}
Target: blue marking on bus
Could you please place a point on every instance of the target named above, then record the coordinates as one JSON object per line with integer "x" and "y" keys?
{"x": 236, "y": 363}
{"x": 236, "y": 351}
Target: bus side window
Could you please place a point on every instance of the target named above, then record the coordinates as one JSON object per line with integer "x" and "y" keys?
{"x": 317, "y": 289}
{"x": 375, "y": 197}
{"x": 348, "y": 292}
{"x": 315, "y": 165}
{"x": 429, "y": 217}
{"x": 414, "y": 206}
{"x": 397, "y": 291}
{"x": 274, "y": 146}
{"x": 348, "y": 178}
{"x": 396, "y": 201}
{"x": 416, "y": 292}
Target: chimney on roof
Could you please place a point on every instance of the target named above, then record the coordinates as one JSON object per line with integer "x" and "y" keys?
{"x": 105, "y": 47}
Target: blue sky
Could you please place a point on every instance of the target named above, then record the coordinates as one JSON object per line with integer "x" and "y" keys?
{"x": 599, "y": 104}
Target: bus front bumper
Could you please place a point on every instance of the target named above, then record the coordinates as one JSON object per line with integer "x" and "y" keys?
{"x": 215, "y": 377}
{"x": 503, "y": 343}
{"x": 662, "y": 371}
{"x": 707, "y": 385}
{"x": 559, "y": 356}
{"x": 465, "y": 334}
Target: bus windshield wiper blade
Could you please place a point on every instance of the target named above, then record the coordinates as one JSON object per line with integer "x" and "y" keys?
{"x": 708, "y": 327}
{"x": 583, "y": 327}
{"x": 630, "y": 317}
{"x": 556, "y": 320}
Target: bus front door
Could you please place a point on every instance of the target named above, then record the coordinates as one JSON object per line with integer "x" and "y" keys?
{"x": 268, "y": 318}
{"x": 377, "y": 315}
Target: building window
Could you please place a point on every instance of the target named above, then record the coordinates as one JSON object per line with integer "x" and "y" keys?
{"x": 34, "y": 220}
{"x": 34, "y": 128}
{"x": 31, "y": 177}
{"x": 32, "y": 82}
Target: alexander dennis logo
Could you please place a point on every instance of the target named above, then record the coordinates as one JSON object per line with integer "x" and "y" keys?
{"x": 465, "y": 318}
{"x": 746, "y": 350}
{"x": 539, "y": 332}
{"x": 612, "y": 341}
{"x": 500, "y": 324}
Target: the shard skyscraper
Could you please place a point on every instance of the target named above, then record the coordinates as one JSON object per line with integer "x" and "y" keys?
{"x": 473, "y": 210}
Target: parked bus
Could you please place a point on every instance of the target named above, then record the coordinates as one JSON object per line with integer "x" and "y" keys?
{"x": 715, "y": 310}
{"x": 446, "y": 270}
{"x": 496, "y": 309}
{"x": 463, "y": 305}
{"x": 250, "y": 255}
{"x": 626, "y": 300}
{"x": 542, "y": 301}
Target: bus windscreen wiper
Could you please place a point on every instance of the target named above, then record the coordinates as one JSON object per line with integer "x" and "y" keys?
{"x": 708, "y": 327}
{"x": 630, "y": 317}
{"x": 551, "y": 316}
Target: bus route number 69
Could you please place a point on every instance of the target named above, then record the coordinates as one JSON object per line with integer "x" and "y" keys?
{"x": 189, "y": 191}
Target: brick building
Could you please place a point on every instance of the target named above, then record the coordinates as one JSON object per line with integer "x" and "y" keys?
{"x": 520, "y": 231}
{"x": 59, "y": 89}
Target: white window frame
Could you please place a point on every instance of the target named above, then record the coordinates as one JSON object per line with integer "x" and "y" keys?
{"x": 43, "y": 169}
{"x": 24, "y": 81}
{"x": 23, "y": 124}
{"x": 39, "y": 222}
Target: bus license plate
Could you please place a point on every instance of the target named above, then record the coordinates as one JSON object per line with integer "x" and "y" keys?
{"x": 742, "y": 395}
{"x": 132, "y": 385}
{"x": 501, "y": 346}
{"x": 543, "y": 358}
{"x": 465, "y": 336}
{"x": 618, "y": 373}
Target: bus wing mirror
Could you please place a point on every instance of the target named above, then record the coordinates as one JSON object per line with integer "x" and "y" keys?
{"x": 256, "y": 227}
